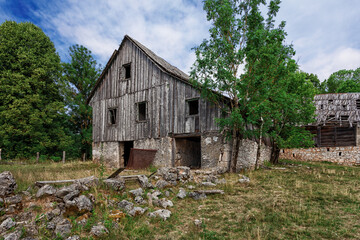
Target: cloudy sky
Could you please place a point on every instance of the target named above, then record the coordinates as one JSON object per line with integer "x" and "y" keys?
{"x": 325, "y": 33}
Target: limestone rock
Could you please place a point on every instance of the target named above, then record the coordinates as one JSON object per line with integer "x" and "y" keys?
{"x": 197, "y": 196}
{"x": 244, "y": 179}
{"x": 62, "y": 192}
{"x": 99, "y": 230}
{"x": 183, "y": 173}
{"x": 89, "y": 181}
{"x": 13, "y": 199}
{"x": 137, "y": 192}
{"x": 46, "y": 190}
{"x": 75, "y": 237}
{"x": 162, "y": 213}
{"x": 13, "y": 236}
{"x": 163, "y": 202}
{"x": 139, "y": 200}
{"x": 7, "y": 184}
{"x": 144, "y": 182}
{"x": 7, "y": 224}
{"x": 63, "y": 228}
{"x": 221, "y": 181}
{"x": 208, "y": 184}
{"x": 162, "y": 184}
{"x": 137, "y": 211}
{"x": 181, "y": 194}
{"x": 116, "y": 184}
{"x": 198, "y": 222}
{"x": 126, "y": 205}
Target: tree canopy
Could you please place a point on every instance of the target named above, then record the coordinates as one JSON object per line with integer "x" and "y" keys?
{"x": 342, "y": 81}
{"x": 246, "y": 60}
{"x": 31, "y": 106}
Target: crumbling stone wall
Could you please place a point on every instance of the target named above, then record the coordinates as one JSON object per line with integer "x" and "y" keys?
{"x": 247, "y": 154}
{"x": 163, "y": 145}
{"x": 108, "y": 152}
{"x": 341, "y": 155}
{"x": 215, "y": 151}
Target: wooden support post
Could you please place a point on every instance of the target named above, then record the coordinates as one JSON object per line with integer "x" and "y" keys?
{"x": 37, "y": 157}
{"x": 63, "y": 159}
{"x": 84, "y": 157}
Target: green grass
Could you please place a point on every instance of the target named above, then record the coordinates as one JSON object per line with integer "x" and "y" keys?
{"x": 304, "y": 201}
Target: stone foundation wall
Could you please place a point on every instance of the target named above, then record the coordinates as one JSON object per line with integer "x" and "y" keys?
{"x": 215, "y": 151}
{"x": 341, "y": 155}
{"x": 108, "y": 152}
{"x": 163, "y": 156}
{"x": 247, "y": 154}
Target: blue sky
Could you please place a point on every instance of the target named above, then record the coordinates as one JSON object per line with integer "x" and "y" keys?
{"x": 325, "y": 33}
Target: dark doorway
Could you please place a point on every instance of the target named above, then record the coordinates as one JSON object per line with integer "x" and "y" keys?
{"x": 188, "y": 152}
{"x": 127, "y": 147}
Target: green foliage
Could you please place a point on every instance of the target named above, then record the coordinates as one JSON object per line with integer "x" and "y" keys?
{"x": 31, "y": 107}
{"x": 79, "y": 78}
{"x": 342, "y": 81}
{"x": 246, "y": 60}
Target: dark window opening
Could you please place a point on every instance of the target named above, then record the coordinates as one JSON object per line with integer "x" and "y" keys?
{"x": 112, "y": 116}
{"x": 328, "y": 149}
{"x": 330, "y": 101}
{"x": 127, "y": 148}
{"x": 321, "y": 106}
{"x": 358, "y": 104}
{"x": 293, "y": 155}
{"x": 344, "y": 106}
{"x": 193, "y": 107}
{"x": 141, "y": 111}
{"x": 127, "y": 68}
{"x": 339, "y": 153}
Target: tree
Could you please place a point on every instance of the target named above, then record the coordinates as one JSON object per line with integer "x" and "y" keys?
{"x": 342, "y": 81}
{"x": 79, "y": 78}
{"x": 242, "y": 39}
{"x": 31, "y": 107}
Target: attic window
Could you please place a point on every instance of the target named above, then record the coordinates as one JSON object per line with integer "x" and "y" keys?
{"x": 112, "y": 115}
{"x": 127, "y": 69}
{"x": 358, "y": 104}
{"x": 193, "y": 107}
{"x": 141, "y": 107}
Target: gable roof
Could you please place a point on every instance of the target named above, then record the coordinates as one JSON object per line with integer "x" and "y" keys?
{"x": 160, "y": 62}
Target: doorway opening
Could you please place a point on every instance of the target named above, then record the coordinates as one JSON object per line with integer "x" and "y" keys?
{"x": 188, "y": 152}
{"x": 128, "y": 145}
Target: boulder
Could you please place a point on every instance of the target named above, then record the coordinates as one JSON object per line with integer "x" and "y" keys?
{"x": 7, "y": 184}
{"x": 62, "y": 192}
{"x": 6, "y": 225}
{"x": 115, "y": 184}
{"x": 137, "y": 211}
{"x": 99, "y": 230}
{"x": 63, "y": 228}
{"x": 137, "y": 192}
{"x": 163, "y": 202}
{"x": 75, "y": 237}
{"x": 13, "y": 199}
{"x": 162, "y": 184}
{"x": 244, "y": 179}
{"x": 144, "y": 182}
{"x": 83, "y": 203}
{"x": 197, "y": 196}
{"x": 126, "y": 205}
{"x": 89, "y": 181}
{"x": 162, "y": 213}
{"x": 139, "y": 200}
{"x": 13, "y": 236}
{"x": 46, "y": 190}
{"x": 181, "y": 194}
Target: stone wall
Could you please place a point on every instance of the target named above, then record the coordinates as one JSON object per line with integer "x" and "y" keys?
{"x": 163, "y": 156}
{"x": 341, "y": 155}
{"x": 215, "y": 151}
{"x": 108, "y": 152}
{"x": 247, "y": 154}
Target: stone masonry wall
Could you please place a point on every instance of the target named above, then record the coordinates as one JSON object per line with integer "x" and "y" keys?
{"x": 215, "y": 152}
{"x": 247, "y": 154}
{"x": 163, "y": 145}
{"x": 341, "y": 155}
{"x": 108, "y": 152}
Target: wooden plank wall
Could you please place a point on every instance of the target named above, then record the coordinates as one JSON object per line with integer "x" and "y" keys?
{"x": 334, "y": 136}
{"x": 165, "y": 96}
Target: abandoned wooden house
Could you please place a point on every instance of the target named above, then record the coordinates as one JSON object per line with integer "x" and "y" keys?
{"x": 141, "y": 102}
{"x": 336, "y": 130}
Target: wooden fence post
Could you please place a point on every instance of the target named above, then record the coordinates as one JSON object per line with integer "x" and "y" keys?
{"x": 63, "y": 159}
{"x": 37, "y": 157}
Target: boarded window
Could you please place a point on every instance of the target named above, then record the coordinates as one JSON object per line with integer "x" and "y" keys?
{"x": 112, "y": 115}
{"x": 141, "y": 111}
{"x": 193, "y": 107}
{"x": 127, "y": 69}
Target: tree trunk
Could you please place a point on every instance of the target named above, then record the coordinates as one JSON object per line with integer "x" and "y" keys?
{"x": 235, "y": 151}
{"x": 258, "y": 153}
{"x": 275, "y": 152}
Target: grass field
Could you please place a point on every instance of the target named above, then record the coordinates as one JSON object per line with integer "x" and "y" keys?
{"x": 302, "y": 201}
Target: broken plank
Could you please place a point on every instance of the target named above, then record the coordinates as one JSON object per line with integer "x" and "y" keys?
{"x": 116, "y": 173}
{"x": 42, "y": 183}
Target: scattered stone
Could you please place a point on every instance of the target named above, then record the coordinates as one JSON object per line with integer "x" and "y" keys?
{"x": 191, "y": 187}
{"x": 164, "y": 203}
{"x": 31, "y": 230}
{"x": 63, "y": 228}
{"x": 167, "y": 194}
{"x": 182, "y": 193}
{"x": 162, "y": 184}
{"x": 89, "y": 181}
{"x": 150, "y": 202}
{"x": 156, "y": 194}
{"x": 116, "y": 215}
{"x": 62, "y": 192}
{"x": 83, "y": 204}
{"x": 198, "y": 222}
{"x": 208, "y": 184}
{"x": 71, "y": 196}
{"x": 115, "y": 184}
{"x": 221, "y": 181}
{"x": 168, "y": 174}
{"x": 46, "y": 190}
{"x": 75, "y": 237}
{"x": 144, "y": 182}
{"x": 13, "y": 199}
{"x": 244, "y": 179}
{"x": 99, "y": 230}
{"x": 197, "y": 195}
{"x": 211, "y": 178}
{"x": 162, "y": 213}
{"x": 7, "y": 184}
{"x": 139, "y": 200}
{"x": 7, "y": 224}
{"x": 137, "y": 192}
{"x": 13, "y": 236}
{"x": 126, "y": 205}
{"x": 183, "y": 173}
{"x": 137, "y": 211}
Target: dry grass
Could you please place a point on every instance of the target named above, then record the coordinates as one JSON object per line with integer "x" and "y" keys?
{"x": 304, "y": 201}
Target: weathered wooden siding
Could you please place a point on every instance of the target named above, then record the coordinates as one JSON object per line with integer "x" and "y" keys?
{"x": 165, "y": 95}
